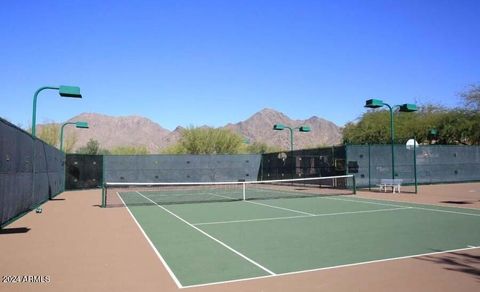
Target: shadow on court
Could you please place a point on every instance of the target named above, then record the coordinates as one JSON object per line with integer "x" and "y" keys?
{"x": 14, "y": 230}
{"x": 457, "y": 261}
{"x": 457, "y": 202}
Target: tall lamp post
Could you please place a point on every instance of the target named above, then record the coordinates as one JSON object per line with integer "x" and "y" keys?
{"x": 406, "y": 107}
{"x": 81, "y": 125}
{"x": 281, "y": 127}
{"x": 65, "y": 91}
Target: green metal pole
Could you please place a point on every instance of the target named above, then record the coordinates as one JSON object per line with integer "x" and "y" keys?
{"x": 291, "y": 152}
{"x": 61, "y": 134}
{"x": 261, "y": 167}
{"x": 369, "y": 171}
{"x": 34, "y": 112}
{"x": 354, "y": 185}
{"x": 415, "y": 163}
{"x": 61, "y": 137}
{"x": 291, "y": 139}
{"x": 104, "y": 201}
{"x": 33, "y": 164}
{"x": 61, "y": 149}
{"x": 392, "y": 141}
{"x": 64, "y": 171}
{"x": 392, "y": 134}
{"x": 34, "y": 119}
{"x": 104, "y": 190}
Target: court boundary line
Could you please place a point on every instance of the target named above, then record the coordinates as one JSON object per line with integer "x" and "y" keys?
{"x": 470, "y": 247}
{"x": 446, "y": 211}
{"x": 360, "y": 200}
{"x": 281, "y": 208}
{"x": 211, "y": 237}
{"x": 162, "y": 260}
{"x": 363, "y": 201}
{"x": 416, "y": 205}
{"x": 300, "y": 216}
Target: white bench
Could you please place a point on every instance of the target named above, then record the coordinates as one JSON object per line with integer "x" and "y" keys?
{"x": 390, "y": 183}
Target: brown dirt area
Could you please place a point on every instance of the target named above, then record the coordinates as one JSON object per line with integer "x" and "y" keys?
{"x": 82, "y": 247}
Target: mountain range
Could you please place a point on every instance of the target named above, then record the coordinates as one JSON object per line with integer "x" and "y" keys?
{"x": 112, "y": 131}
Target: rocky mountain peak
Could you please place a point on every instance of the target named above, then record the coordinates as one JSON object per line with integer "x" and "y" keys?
{"x": 135, "y": 130}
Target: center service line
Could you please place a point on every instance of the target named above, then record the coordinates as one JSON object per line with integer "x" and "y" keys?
{"x": 209, "y": 236}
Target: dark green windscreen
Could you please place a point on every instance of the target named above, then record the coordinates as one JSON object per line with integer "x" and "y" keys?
{"x": 31, "y": 172}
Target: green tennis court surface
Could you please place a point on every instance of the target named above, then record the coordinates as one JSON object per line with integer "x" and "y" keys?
{"x": 226, "y": 241}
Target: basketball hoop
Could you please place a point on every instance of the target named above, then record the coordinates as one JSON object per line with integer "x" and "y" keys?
{"x": 411, "y": 143}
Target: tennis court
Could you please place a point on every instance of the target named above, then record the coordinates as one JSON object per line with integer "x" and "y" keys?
{"x": 218, "y": 242}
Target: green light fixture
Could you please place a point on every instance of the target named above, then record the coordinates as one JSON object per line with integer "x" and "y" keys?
{"x": 81, "y": 125}
{"x": 65, "y": 91}
{"x": 406, "y": 107}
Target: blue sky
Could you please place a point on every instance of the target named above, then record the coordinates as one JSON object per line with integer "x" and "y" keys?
{"x": 213, "y": 62}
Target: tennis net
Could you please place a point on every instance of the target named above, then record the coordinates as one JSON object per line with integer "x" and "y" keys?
{"x": 135, "y": 194}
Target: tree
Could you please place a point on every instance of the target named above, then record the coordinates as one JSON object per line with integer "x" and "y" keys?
{"x": 260, "y": 148}
{"x": 129, "y": 150}
{"x": 174, "y": 149}
{"x": 455, "y": 126}
{"x": 49, "y": 133}
{"x": 92, "y": 148}
{"x": 471, "y": 97}
{"x": 196, "y": 140}
{"x": 371, "y": 129}
{"x": 69, "y": 142}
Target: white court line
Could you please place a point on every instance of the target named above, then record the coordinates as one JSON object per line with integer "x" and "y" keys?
{"x": 281, "y": 208}
{"x": 446, "y": 211}
{"x": 362, "y": 202}
{"x": 332, "y": 267}
{"x": 170, "y": 272}
{"x": 300, "y": 216}
{"x": 414, "y": 207}
{"x": 211, "y": 237}
{"x": 222, "y": 196}
{"x": 186, "y": 194}
{"x": 288, "y": 273}
{"x": 251, "y": 220}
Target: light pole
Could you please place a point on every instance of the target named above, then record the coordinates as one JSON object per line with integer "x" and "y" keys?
{"x": 81, "y": 125}
{"x": 65, "y": 91}
{"x": 406, "y": 107}
{"x": 281, "y": 127}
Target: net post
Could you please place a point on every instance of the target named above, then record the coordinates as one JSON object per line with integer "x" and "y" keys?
{"x": 104, "y": 196}
{"x": 243, "y": 190}
{"x": 354, "y": 185}
{"x": 104, "y": 191}
{"x": 415, "y": 163}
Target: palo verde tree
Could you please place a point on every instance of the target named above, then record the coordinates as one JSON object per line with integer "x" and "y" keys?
{"x": 459, "y": 125}
{"x": 49, "y": 133}
{"x": 203, "y": 140}
{"x": 471, "y": 97}
{"x": 92, "y": 148}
